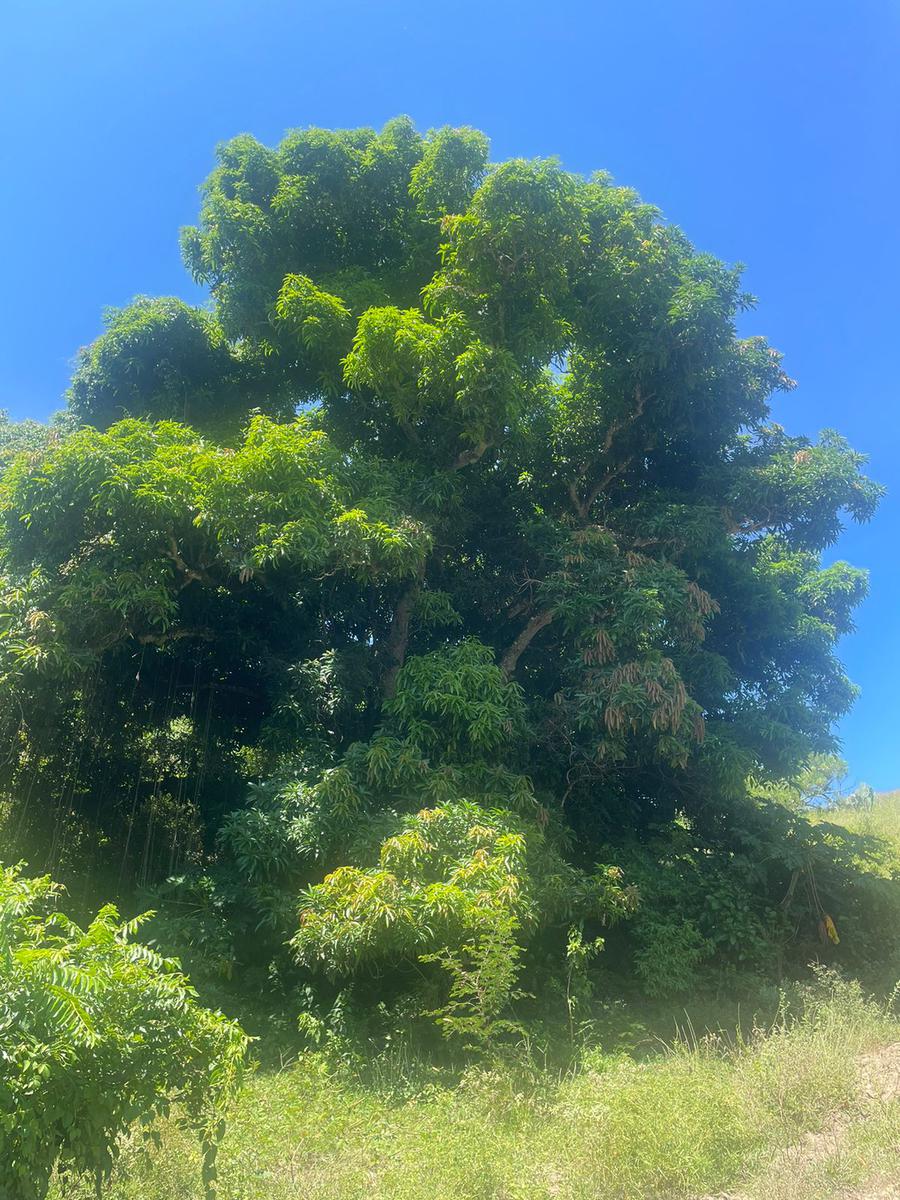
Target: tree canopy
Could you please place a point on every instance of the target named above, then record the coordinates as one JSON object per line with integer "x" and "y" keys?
{"x": 446, "y": 581}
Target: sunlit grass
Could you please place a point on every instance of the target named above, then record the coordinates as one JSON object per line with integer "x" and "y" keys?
{"x": 692, "y": 1120}
{"x": 881, "y": 819}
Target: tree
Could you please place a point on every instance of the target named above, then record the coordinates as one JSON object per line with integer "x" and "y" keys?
{"x": 18, "y": 436}
{"x": 534, "y": 519}
{"x": 164, "y": 359}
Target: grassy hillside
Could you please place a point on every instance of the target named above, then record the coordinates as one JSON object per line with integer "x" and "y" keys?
{"x": 881, "y": 819}
{"x": 690, "y": 1120}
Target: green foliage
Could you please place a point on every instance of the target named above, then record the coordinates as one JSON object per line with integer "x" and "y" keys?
{"x": 457, "y": 699}
{"x": 96, "y": 1032}
{"x": 448, "y": 873}
{"x": 453, "y": 163}
{"x": 148, "y": 539}
{"x": 705, "y": 922}
{"x": 29, "y": 436}
{"x": 454, "y": 885}
{"x": 533, "y": 559}
{"x": 283, "y": 495}
{"x": 162, "y": 358}
{"x": 483, "y": 972}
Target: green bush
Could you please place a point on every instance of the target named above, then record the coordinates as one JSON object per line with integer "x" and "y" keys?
{"x": 96, "y": 1032}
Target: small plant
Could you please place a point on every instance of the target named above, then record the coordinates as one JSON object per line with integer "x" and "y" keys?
{"x": 483, "y": 975}
{"x": 580, "y": 953}
{"x": 97, "y": 1032}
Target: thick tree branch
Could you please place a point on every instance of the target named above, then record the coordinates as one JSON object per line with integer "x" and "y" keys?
{"x": 583, "y": 506}
{"x": 510, "y": 659}
{"x": 576, "y": 499}
{"x": 188, "y": 573}
{"x": 398, "y": 637}
{"x": 618, "y": 426}
{"x": 174, "y": 635}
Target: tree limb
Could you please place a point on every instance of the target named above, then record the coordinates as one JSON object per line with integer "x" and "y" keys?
{"x": 174, "y": 635}
{"x": 583, "y": 507}
{"x": 745, "y": 526}
{"x": 190, "y": 574}
{"x": 398, "y": 637}
{"x": 510, "y": 659}
{"x": 618, "y": 426}
{"x": 469, "y": 456}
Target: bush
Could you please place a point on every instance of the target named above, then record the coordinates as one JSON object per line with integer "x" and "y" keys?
{"x": 96, "y": 1032}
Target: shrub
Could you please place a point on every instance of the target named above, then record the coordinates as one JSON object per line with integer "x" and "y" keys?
{"x": 461, "y": 886}
{"x": 96, "y": 1032}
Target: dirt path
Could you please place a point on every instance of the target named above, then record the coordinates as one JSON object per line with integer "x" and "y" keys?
{"x": 879, "y": 1084}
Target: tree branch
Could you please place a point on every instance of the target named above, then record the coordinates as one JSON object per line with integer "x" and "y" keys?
{"x": 583, "y": 507}
{"x": 174, "y": 635}
{"x": 469, "y": 456}
{"x": 746, "y": 526}
{"x": 618, "y": 426}
{"x": 398, "y": 637}
{"x": 190, "y": 574}
{"x": 510, "y": 659}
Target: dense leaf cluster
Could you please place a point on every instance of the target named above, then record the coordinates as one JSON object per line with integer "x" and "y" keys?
{"x": 96, "y": 1032}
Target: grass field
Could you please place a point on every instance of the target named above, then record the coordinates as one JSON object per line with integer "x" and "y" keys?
{"x": 805, "y": 1107}
{"x": 719, "y": 1116}
{"x": 881, "y": 820}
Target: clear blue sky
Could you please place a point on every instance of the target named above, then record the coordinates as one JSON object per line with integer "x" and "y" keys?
{"x": 767, "y": 129}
